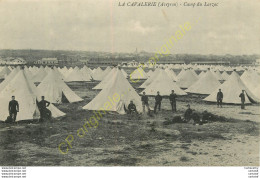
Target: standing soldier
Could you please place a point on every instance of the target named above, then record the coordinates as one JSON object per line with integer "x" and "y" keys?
{"x": 44, "y": 112}
{"x": 173, "y": 100}
{"x": 158, "y": 100}
{"x": 219, "y": 98}
{"x": 13, "y": 108}
{"x": 145, "y": 102}
{"x": 242, "y": 96}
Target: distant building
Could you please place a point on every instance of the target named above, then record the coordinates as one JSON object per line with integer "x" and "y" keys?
{"x": 18, "y": 61}
{"x": 47, "y": 61}
{"x": 257, "y": 62}
{"x": 84, "y": 61}
{"x": 133, "y": 63}
{"x": 12, "y": 61}
{"x": 2, "y": 61}
{"x": 212, "y": 62}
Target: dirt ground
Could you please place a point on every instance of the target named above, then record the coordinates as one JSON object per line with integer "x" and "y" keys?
{"x": 123, "y": 140}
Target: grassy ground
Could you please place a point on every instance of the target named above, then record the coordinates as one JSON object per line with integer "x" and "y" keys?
{"x": 122, "y": 140}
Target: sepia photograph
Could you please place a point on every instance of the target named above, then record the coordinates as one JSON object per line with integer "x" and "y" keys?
{"x": 119, "y": 83}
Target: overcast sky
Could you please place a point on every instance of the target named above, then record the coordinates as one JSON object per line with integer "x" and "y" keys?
{"x": 100, "y": 25}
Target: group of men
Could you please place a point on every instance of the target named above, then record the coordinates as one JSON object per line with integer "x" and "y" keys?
{"x": 172, "y": 98}
{"x": 46, "y": 113}
{"x": 158, "y": 100}
{"x": 220, "y": 98}
{"x": 13, "y": 109}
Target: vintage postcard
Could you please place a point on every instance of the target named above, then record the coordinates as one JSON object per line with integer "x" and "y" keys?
{"x": 129, "y": 83}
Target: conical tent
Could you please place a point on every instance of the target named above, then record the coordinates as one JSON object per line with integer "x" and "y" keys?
{"x": 4, "y": 72}
{"x": 171, "y": 74}
{"x": 58, "y": 73}
{"x": 54, "y": 88}
{"x": 106, "y": 71}
{"x": 116, "y": 96}
{"x": 181, "y": 73}
{"x": 205, "y": 85}
{"x": 225, "y": 75}
{"x": 98, "y": 74}
{"x": 108, "y": 78}
{"x": 40, "y": 75}
{"x": 26, "y": 94}
{"x": 250, "y": 79}
{"x": 124, "y": 73}
{"x": 187, "y": 79}
{"x": 218, "y": 75}
{"x": 256, "y": 92}
{"x": 193, "y": 71}
{"x": 87, "y": 71}
{"x": 86, "y": 74}
{"x": 164, "y": 84}
{"x": 76, "y": 75}
{"x": 149, "y": 73}
{"x": 138, "y": 74}
{"x": 8, "y": 78}
{"x": 202, "y": 73}
{"x": 231, "y": 90}
{"x": 150, "y": 79}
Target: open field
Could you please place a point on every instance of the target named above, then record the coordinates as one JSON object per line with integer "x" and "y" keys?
{"x": 123, "y": 140}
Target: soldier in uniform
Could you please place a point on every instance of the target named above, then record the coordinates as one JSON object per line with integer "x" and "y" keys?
{"x": 242, "y": 96}
{"x": 158, "y": 100}
{"x": 44, "y": 112}
{"x": 132, "y": 108}
{"x": 145, "y": 102}
{"x": 219, "y": 98}
{"x": 173, "y": 100}
{"x": 13, "y": 108}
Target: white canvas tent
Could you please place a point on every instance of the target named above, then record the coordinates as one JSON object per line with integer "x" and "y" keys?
{"x": 124, "y": 73}
{"x": 231, "y": 90}
{"x": 250, "y": 79}
{"x": 187, "y": 79}
{"x": 164, "y": 84}
{"x": 171, "y": 74}
{"x": 26, "y": 94}
{"x": 77, "y": 75}
{"x": 205, "y": 85}
{"x": 40, "y": 75}
{"x": 119, "y": 86}
{"x": 138, "y": 74}
{"x": 218, "y": 75}
{"x": 149, "y": 73}
{"x": 4, "y": 72}
{"x": 225, "y": 75}
{"x": 150, "y": 79}
{"x": 56, "y": 90}
{"x": 98, "y": 74}
{"x": 106, "y": 80}
{"x": 202, "y": 73}
{"x": 8, "y": 78}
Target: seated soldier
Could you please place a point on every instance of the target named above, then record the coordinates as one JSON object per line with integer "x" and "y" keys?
{"x": 132, "y": 108}
{"x": 188, "y": 114}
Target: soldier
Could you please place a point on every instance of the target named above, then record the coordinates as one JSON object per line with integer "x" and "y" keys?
{"x": 242, "y": 96}
{"x": 188, "y": 114}
{"x": 44, "y": 112}
{"x": 132, "y": 108}
{"x": 13, "y": 108}
{"x": 145, "y": 102}
{"x": 219, "y": 98}
{"x": 173, "y": 101}
{"x": 158, "y": 100}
